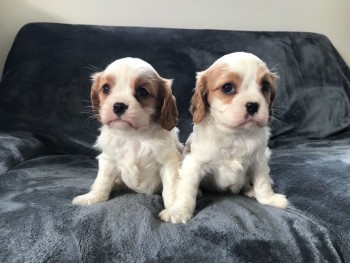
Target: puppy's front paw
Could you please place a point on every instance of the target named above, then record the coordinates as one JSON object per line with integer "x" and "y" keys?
{"x": 276, "y": 200}
{"x": 88, "y": 199}
{"x": 175, "y": 216}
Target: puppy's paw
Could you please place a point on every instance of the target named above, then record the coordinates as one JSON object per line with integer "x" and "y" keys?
{"x": 276, "y": 200}
{"x": 88, "y": 199}
{"x": 175, "y": 216}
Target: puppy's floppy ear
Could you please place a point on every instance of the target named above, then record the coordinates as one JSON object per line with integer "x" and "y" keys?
{"x": 94, "y": 95}
{"x": 199, "y": 101}
{"x": 273, "y": 77}
{"x": 167, "y": 105}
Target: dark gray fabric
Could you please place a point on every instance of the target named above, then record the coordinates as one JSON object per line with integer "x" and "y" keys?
{"x": 47, "y": 156}
{"x": 16, "y": 147}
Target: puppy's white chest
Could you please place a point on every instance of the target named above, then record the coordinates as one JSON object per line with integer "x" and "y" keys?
{"x": 138, "y": 167}
{"x": 236, "y": 157}
{"x": 134, "y": 154}
{"x": 135, "y": 162}
{"x": 228, "y": 160}
{"x": 239, "y": 149}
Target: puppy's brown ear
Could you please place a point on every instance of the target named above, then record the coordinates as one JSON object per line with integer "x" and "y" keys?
{"x": 94, "y": 95}
{"x": 273, "y": 77}
{"x": 199, "y": 101}
{"x": 168, "y": 110}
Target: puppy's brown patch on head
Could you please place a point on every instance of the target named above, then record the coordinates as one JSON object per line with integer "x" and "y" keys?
{"x": 210, "y": 84}
{"x": 167, "y": 109}
{"x": 153, "y": 91}
{"x": 101, "y": 87}
{"x": 199, "y": 101}
{"x": 223, "y": 83}
{"x": 146, "y": 90}
{"x": 266, "y": 80}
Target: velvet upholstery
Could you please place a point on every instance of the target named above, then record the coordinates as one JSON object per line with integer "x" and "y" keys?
{"x": 46, "y": 148}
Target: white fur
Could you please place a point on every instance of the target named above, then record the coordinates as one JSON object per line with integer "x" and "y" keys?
{"x": 137, "y": 153}
{"x": 228, "y": 149}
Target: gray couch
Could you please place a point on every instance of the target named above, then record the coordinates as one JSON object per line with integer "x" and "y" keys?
{"x": 47, "y": 158}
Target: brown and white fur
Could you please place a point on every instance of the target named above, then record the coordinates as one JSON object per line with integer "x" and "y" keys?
{"x": 227, "y": 151}
{"x": 138, "y": 140}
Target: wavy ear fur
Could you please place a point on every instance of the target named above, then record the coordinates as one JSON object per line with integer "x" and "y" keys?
{"x": 168, "y": 110}
{"x": 95, "y": 100}
{"x": 273, "y": 77}
{"x": 199, "y": 101}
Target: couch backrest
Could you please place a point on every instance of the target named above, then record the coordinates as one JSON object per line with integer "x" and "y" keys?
{"x": 46, "y": 80}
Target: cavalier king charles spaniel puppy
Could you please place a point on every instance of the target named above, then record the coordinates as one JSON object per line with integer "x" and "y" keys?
{"x": 139, "y": 143}
{"x": 227, "y": 151}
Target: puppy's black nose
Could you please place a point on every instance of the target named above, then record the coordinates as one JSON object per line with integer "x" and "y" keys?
{"x": 252, "y": 108}
{"x": 119, "y": 108}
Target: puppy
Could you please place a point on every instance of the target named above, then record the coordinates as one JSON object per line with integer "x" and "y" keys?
{"x": 138, "y": 140}
{"x": 227, "y": 151}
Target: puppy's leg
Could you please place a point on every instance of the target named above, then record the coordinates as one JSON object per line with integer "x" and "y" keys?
{"x": 103, "y": 184}
{"x": 169, "y": 174}
{"x": 262, "y": 186}
{"x": 182, "y": 209}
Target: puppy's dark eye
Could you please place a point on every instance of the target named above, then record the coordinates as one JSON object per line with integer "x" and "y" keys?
{"x": 105, "y": 89}
{"x": 228, "y": 88}
{"x": 265, "y": 86}
{"x": 141, "y": 92}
